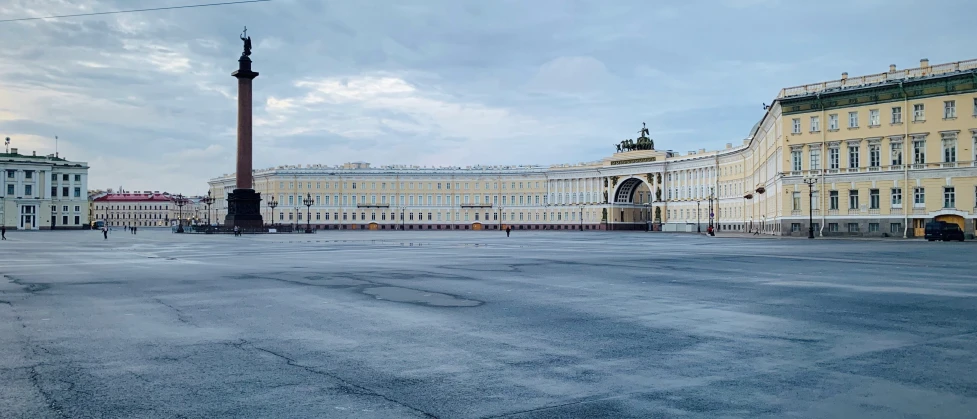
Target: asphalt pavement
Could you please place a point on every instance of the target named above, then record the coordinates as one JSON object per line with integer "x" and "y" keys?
{"x": 471, "y": 324}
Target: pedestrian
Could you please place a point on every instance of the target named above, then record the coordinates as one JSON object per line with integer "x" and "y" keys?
{"x": 507, "y": 230}
{"x": 3, "y": 232}
{"x": 134, "y": 230}
{"x": 105, "y": 232}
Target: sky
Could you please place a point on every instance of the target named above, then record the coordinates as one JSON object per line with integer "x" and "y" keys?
{"x": 147, "y": 99}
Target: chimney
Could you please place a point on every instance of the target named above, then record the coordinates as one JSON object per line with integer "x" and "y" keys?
{"x": 729, "y": 146}
{"x": 691, "y": 153}
{"x": 844, "y": 76}
{"x": 892, "y": 68}
{"x": 924, "y": 63}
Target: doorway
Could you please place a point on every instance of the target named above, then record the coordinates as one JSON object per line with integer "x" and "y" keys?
{"x": 28, "y": 217}
{"x": 919, "y": 225}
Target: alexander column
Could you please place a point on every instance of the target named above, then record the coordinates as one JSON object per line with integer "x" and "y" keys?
{"x": 244, "y": 204}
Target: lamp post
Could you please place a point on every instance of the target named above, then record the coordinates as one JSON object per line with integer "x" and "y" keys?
{"x": 810, "y": 205}
{"x": 180, "y": 202}
{"x": 208, "y": 201}
{"x": 402, "y": 225}
{"x": 712, "y": 211}
{"x": 308, "y": 216}
{"x": 698, "y": 224}
{"x": 272, "y": 203}
{"x": 581, "y": 218}
{"x": 500, "y": 216}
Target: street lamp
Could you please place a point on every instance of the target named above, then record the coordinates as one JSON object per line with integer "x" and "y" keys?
{"x": 272, "y": 203}
{"x": 712, "y": 211}
{"x": 180, "y": 202}
{"x": 308, "y": 216}
{"x": 208, "y": 201}
{"x": 698, "y": 224}
{"x": 810, "y": 204}
{"x": 581, "y": 218}
{"x": 402, "y": 225}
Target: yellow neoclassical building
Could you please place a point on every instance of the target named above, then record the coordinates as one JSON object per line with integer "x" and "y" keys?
{"x": 884, "y": 154}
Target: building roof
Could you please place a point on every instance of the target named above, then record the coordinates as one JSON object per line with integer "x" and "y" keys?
{"x": 134, "y": 197}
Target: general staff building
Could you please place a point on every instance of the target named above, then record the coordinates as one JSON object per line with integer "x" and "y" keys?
{"x": 885, "y": 153}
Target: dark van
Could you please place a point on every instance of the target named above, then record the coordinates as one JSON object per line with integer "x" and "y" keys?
{"x": 942, "y": 230}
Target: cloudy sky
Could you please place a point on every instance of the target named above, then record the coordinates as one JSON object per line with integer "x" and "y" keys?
{"x": 147, "y": 98}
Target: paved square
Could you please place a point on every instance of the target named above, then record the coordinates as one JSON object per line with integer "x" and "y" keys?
{"x": 477, "y": 325}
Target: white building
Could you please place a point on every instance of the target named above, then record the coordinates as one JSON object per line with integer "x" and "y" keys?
{"x": 42, "y": 192}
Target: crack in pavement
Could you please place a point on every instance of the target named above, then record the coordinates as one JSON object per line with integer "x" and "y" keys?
{"x": 179, "y": 313}
{"x": 52, "y": 404}
{"x": 361, "y": 389}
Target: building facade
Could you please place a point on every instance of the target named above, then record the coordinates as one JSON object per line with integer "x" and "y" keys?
{"x": 886, "y": 153}
{"x": 144, "y": 209}
{"x": 42, "y": 192}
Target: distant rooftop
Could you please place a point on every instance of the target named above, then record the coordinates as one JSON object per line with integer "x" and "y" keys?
{"x": 134, "y": 197}
{"x": 892, "y": 76}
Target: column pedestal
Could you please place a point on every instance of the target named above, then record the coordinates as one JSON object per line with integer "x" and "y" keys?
{"x": 243, "y": 209}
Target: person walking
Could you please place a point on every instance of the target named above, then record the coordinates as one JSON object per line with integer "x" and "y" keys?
{"x": 105, "y": 232}
{"x": 507, "y": 230}
{"x": 3, "y": 232}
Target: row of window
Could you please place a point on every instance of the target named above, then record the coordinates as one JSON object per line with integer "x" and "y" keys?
{"x": 109, "y": 216}
{"x": 894, "y": 228}
{"x": 949, "y": 155}
{"x": 438, "y": 216}
{"x": 64, "y": 208}
{"x": 411, "y": 185}
{"x": 919, "y": 115}
{"x": 895, "y": 197}
{"x": 440, "y": 200}
{"x": 29, "y": 191}
{"x": 132, "y": 207}
{"x": 29, "y": 174}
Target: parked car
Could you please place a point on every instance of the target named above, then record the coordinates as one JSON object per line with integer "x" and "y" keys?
{"x": 942, "y": 230}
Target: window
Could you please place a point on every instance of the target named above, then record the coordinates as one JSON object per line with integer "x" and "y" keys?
{"x": 919, "y": 151}
{"x": 873, "y": 118}
{"x": 919, "y": 197}
{"x": 29, "y": 174}
{"x": 815, "y": 159}
{"x": 897, "y": 114}
{"x": 54, "y": 191}
{"x": 833, "y": 122}
{"x": 975, "y": 106}
{"x": 919, "y": 112}
{"x": 28, "y": 190}
{"x": 873, "y": 199}
{"x": 852, "y": 119}
{"x": 949, "y": 197}
{"x": 873, "y": 227}
{"x": 796, "y": 201}
{"x": 833, "y": 200}
{"x": 797, "y": 126}
{"x": 853, "y": 227}
{"x": 853, "y": 156}
{"x": 795, "y": 227}
{"x": 949, "y": 109}
{"x": 874, "y": 155}
{"x": 833, "y": 227}
{"x": 896, "y": 153}
{"x": 64, "y": 220}
{"x": 77, "y": 220}
{"x": 815, "y": 124}
{"x": 896, "y": 197}
{"x": 895, "y": 228}
{"x": 950, "y": 150}
{"x": 77, "y": 192}
{"x": 796, "y": 160}
{"x": 815, "y": 200}
{"x": 853, "y": 199}
{"x": 833, "y": 160}
{"x": 64, "y": 191}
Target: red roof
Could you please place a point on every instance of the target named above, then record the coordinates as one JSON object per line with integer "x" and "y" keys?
{"x": 133, "y": 197}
